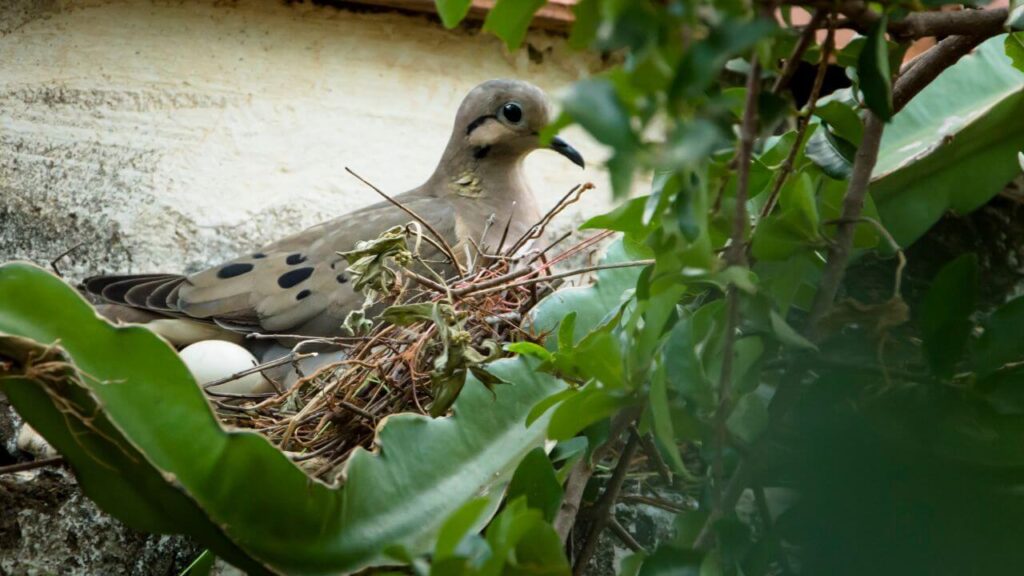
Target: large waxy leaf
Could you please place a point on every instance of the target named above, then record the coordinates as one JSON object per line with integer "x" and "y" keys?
{"x": 147, "y": 448}
{"x": 944, "y": 152}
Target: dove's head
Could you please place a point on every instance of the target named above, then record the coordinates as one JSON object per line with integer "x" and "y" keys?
{"x": 503, "y": 119}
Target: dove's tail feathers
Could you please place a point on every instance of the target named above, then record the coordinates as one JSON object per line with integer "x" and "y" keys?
{"x": 152, "y": 292}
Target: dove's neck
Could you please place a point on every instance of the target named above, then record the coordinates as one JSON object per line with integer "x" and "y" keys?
{"x": 485, "y": 183}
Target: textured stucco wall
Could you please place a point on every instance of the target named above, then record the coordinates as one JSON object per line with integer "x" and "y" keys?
{"x": 170, "y": 135}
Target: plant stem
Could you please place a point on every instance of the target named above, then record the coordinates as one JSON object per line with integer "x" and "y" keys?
{"x": 603, "y": 507}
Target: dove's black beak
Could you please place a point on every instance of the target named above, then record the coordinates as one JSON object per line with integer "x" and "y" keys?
{"x": 563, "y": 148}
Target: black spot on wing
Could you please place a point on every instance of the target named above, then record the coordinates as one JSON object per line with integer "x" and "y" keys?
{"x": 341, "y": 278}
{"x": 303, "y": 294}
{"x": 259, "y": 255}
{"x": 232, "y": 270}
{"x": 293, "y": 277}
{"x": 480, "y": 152}
{"x": 294, "y": 259}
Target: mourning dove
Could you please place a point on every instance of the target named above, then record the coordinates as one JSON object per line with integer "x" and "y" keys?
{"x": 298, "y": 285}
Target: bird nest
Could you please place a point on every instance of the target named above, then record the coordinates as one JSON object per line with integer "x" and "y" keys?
{"x": 426, "y": 327}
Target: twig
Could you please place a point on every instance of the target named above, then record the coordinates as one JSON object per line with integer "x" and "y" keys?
{"x": 735, "y": 256}
{"x": 560, "y": 275}
{"x": 23, "y": 466}
{"x": 603, "y": 507}
{"x": 793, "y": 62}
{"x": 624, "y": 535}
{"x": 357, "y": 410}
{"x": 259, "y": 368}
{"x": 773, "y": 538}
{"x": 447, "y": 248}
{"x": 584, "y": 469}
{"x": 647, "y": 443}
{"x": 656, "y": 502}
{"x": 853, "y": 203}
{"x": 986, "y": 22}
{"x": 804, "y": 123}
{"x": 53, "y": 263}
{"x": 930, "y": 64}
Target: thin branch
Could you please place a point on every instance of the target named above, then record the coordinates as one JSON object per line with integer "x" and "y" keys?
{"x": 793, "y": 62}
{"x": 734, "y": 256}
{"x": 930, "y": 64}
{"x": 447, "y": 248}
{"x": 603, "y": 507}
{"x": 620, "y": 531}
{"x": 853, "y": 204}
{"x": 657, "y": 503}
{"x": 23, "y": 466}
{"x": 558, "y": 276}
{"x": 584, "y": 469}
{"x": 804, "y": 123}
{"x": 293, "y": 357}
{"x": 986, "y": 22}
{"x": 647, "y": 443}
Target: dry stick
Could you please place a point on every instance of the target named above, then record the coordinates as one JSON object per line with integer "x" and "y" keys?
{"x": 259, "y": 368}
{"x": 603, "y": 507}
{"x": 657, "y": 503}
{"x": 444, "y": 243}
{"x": 561, "y": 275}
{"x": 804, "y": 124}
{"x": 647, "y": 443}
{"x": 584, "y": 469}
{"x": 735, "y": 256}
{"x": 624, "y": 535}
{"x": 23, "y": 466}
{"x": 793, "y": 62}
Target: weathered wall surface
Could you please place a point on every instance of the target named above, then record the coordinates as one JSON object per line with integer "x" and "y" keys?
{"x": 170, "y": 135}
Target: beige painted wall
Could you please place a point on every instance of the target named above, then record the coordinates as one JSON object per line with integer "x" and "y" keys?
{"x": 171, "y": 135}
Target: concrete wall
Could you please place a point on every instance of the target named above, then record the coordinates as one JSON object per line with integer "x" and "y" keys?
{"x": 167, "y": 136}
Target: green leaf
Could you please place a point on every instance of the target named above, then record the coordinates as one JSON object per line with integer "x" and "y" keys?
{"x": 523, "y": 543}
{"x": 1015, "y": 19}
{"x": 587, "y": 14}
{"x": 595, "y": 304}
{"x": 787, "y": 335}
{"x": 510, "y": 19}
{"x": 626, "y": 218}
{"x": 749, "y": 418}
{"x": 595, "y": 105}
{"x": 580, "y": 410}
{"x": 946, "y": 313}
{"x": 464, "y": 521}
{"x": 535, "y": 481}
{"x": 1014, "y": 45}
{"x": 873, "y": 71}
{"x": 530, "y": 349}
{"x": 661, "y": 419}
{"x": 830, "y": 153}
{"x": 685, "y": 372}
{"x": 138, "y": 402}
{"x": 1000, "y": 343}
{"x": 841, "y": 116}
{"x": 941, "y": 153}
{"x": 452, "y": 11}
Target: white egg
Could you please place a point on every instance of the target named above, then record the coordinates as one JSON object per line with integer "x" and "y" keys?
{"x": 211, "y": 360}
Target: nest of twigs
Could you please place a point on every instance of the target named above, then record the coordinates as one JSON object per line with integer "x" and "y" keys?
{"x": 426, "y": 326}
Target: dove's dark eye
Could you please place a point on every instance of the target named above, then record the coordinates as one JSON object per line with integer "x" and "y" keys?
{"x": 512, "y": 112}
